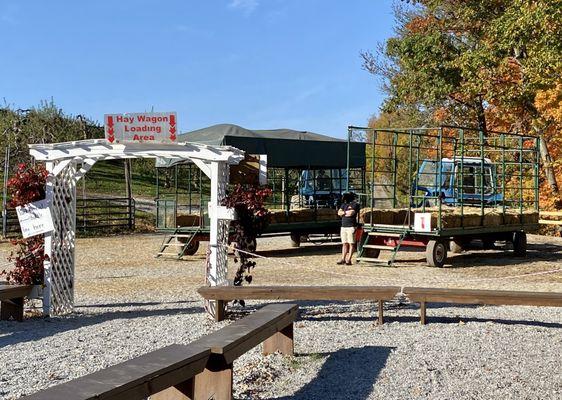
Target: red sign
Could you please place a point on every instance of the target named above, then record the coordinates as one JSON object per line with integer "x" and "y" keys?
{"x": 141, "y": 127}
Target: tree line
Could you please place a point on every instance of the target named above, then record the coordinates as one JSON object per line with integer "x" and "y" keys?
{"x": 492, "y": 65}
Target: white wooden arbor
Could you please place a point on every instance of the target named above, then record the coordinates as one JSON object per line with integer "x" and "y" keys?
{"x": 67, "y": 162}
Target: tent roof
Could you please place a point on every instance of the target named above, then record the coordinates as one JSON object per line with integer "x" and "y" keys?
{"x": 285, "y": 148}
{"x": 219, "y": 134}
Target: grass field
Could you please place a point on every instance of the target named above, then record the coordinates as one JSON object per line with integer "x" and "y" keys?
{"x": 108, "y": 177}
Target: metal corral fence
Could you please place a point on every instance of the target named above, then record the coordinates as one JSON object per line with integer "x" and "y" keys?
{"x": 92, "y": 214}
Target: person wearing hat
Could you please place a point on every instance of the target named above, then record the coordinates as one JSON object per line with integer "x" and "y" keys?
{"x": 349, "y": 213}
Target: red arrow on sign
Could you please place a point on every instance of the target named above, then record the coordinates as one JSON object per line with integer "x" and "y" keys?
{"x": 110, "y": 131}
{"x": 172, "y": 127}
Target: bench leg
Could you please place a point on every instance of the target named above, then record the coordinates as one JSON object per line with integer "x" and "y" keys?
{"x": 220, "y": 310}
{"x": 215, "y": 382}
{"x": 381, "y": 312}
{"x": 422, "y": 313}
{"x": 183, "y": 391}
{"x": 281, "y": 341}
{"x": 12, "y": 309}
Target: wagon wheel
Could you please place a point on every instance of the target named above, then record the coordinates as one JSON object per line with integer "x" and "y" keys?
{"x": 295, "y": 239}
{"x": 191, "y": 248}
{"x": 436, "y": 253}
{"x": 519, "y": 244}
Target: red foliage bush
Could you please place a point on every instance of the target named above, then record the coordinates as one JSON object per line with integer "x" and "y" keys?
{"x": 27, "y": 186}
{"x": 248, "y": 202}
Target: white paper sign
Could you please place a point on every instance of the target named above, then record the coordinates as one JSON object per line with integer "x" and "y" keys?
{"x": 35, "y": 218}
{"x": 154, "y": 127}
{"x": 422, "y": 222}
{"x": 222, "y": 212}
{"x": 263, "y": 169}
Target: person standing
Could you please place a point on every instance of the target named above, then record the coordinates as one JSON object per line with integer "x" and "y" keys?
{"x": 349, "y": 213}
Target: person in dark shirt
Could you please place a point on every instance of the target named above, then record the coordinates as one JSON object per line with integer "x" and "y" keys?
{"x": 349, "y": 213}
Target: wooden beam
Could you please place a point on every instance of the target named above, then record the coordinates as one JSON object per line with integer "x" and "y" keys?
{"x": 299, "y": 292}
{"x": 422, "y": 313}
{"x": 282, "y": 341}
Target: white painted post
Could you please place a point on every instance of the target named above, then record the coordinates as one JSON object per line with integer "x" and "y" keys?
{"x": 49, "y": 166}
{"x": 214, "y": 226}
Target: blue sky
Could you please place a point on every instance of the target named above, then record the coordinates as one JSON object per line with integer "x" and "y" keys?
{"x": 262, "y": 64}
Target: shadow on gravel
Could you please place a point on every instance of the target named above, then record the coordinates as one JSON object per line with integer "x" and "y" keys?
{"x": 497, "y": 257}
{"x": 133, "y": 304}
{"x": 459, "y": 319}
{"x": 38, "y": 328}
{"x": 318, "y": 250}
{"x": 346, "y": 374}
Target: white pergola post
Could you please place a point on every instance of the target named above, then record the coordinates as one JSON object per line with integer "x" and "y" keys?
{"x": 61, "y": 160}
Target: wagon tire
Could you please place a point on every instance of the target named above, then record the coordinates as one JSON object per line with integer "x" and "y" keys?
{"x": 436, "y": 253}
{"x": 295, "y": 240}
{"x": 519, "y": 244}
{"x": 191, "y": 248}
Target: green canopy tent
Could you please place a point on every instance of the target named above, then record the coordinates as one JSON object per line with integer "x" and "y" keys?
{"x": 285, "y": 148}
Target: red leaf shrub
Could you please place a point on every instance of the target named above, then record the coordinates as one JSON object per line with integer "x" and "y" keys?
{"x": 248, "y": 202}
{"x": 27, "y": 186}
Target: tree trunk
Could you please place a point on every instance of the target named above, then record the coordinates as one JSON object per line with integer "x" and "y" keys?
{"x": 547, "y": 164}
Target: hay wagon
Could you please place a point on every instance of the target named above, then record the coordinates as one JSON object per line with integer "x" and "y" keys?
{"x": 307, "y": 173}
{"x": 443, "y": 188}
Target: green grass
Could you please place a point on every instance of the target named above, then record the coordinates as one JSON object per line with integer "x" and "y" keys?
{"x": 108, "y": 177}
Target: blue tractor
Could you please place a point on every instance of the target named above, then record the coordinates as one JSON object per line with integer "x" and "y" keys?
{"x": 322, "y": 187}
{"x": 456, "y": 181}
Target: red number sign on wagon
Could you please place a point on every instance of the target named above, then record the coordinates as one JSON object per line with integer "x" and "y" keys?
{"x": 141, "y": 127}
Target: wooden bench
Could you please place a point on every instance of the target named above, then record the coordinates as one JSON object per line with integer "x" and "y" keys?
{"x": 175, "y": 365}
{"x": 11, "y": 301}
{"x": 272, "y": 324}
{"x": 223, "y": 294}
{"x": 200, "y": 370}
{"x": 483, "y": 297}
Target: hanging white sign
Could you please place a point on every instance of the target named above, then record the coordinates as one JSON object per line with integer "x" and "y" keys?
{"x": 422, "y": 222}
{"x": 35, "y": 218}
{"x": 152, "y": 127}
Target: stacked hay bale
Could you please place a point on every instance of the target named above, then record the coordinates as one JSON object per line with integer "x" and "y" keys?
{"x": 278, "y": 216}
{"x": 451, "y": 217}
{"x": 183, "y": 220}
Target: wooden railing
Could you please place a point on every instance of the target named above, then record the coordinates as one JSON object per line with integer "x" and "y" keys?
{"x": 199, "y": 370}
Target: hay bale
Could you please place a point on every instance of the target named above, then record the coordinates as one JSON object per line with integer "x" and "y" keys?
{"x": 278, "y": 217}
{"x": 493, "y": 218}
{"x": 327, "y": 214}
{"x": 401, "y": 216}
{"x": 301, "y": 215}
{"x": 184, "y": 220}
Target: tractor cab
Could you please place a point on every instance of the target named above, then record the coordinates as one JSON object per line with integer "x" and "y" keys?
{"x": 456, "y": 181}
{"x": 322, "y": 187}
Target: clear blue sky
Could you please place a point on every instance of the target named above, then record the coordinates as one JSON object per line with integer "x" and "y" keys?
{"x": 262, "y": 64}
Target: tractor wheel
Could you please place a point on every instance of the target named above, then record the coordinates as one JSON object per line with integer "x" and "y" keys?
{"x": 436, "y": 253}
{"x": 519, "y": 244}
{"x": 295, "y": 240}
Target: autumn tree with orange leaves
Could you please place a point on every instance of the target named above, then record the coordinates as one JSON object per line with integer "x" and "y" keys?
{"x": 492, "y": 65}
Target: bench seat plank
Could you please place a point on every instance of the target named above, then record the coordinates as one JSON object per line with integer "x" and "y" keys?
{"x": 136, "y": 378}
{"x": 237, "y": 338}
{"x": 227, "y": 293}
{"x": 491, "y": 297}
{"x": 14, "y": 291}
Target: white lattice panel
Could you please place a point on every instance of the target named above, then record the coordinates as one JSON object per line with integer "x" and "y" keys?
{"x": 63, "y": 241}
{"x": 223, "y": 228}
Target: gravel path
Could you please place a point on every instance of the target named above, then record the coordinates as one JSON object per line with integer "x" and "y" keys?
{"x": 129, "y": 303}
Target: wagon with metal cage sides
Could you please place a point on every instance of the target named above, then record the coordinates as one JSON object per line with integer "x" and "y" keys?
{"x": 307, "y": 173}
{"x": 444, "y": 188}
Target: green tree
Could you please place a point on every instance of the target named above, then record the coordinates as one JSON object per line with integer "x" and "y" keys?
{"x": 474, "y": 63}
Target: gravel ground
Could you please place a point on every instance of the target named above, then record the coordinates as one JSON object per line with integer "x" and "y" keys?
{"x": 129, "y": 303}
